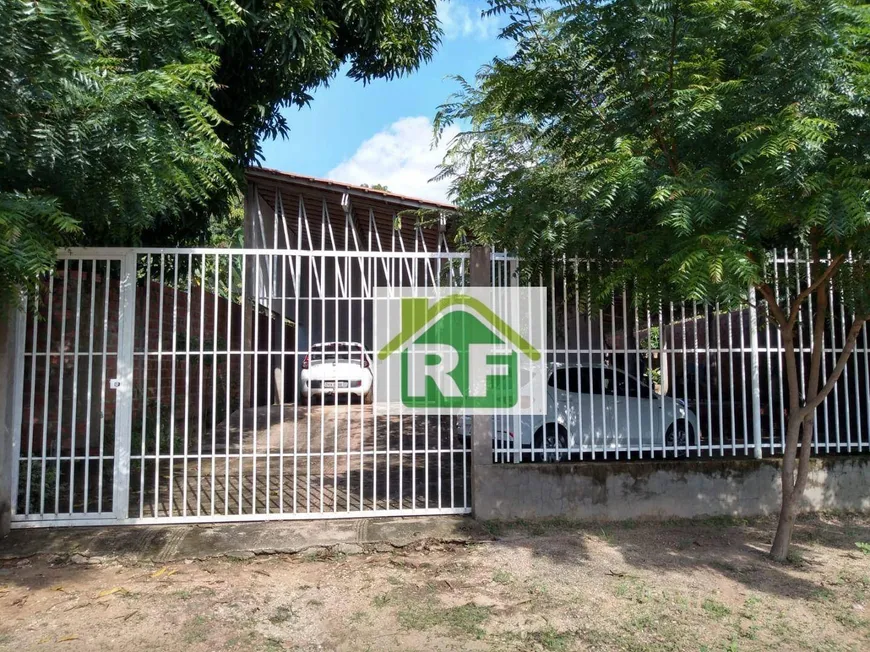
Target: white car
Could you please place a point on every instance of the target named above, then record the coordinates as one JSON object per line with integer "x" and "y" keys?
{"x": 334, "y": 368}
{"x": 596, "y": 407}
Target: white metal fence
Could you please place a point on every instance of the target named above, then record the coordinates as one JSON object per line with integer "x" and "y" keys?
{"x": 167, "y": 385}
{"x": 679, "y": 380}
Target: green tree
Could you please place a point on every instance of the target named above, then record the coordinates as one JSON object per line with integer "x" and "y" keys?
{"x": 105, "y": 121}
{"x": 131, "y": 122}
{"x": 278, "y": 54}
{"x": 677, "y": 143}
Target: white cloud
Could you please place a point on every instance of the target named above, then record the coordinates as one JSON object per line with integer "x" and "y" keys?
{"x": 401, "y": 157}
{"x": 463, "y": 19}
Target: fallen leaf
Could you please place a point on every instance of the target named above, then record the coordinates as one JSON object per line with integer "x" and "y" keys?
{"x": 117, "y": 589}
{"x": 164, "y": 572}
{"x": 78, "y": 606}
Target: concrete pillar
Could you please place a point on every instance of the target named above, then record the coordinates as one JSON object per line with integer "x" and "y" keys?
{"x": 481, "y": 428}
{"x": 8, "y": 328}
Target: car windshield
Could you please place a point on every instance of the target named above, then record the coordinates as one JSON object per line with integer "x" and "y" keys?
{"x": 337, "y": 352}
{"x": 599, "y": 380}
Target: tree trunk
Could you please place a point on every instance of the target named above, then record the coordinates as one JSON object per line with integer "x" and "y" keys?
{"x": 785, "y": 527}
{"x": 801, "y": 413}
{"x": 790, "y": 497}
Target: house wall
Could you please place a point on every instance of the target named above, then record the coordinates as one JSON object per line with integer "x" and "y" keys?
{"x": 661, "y": 489}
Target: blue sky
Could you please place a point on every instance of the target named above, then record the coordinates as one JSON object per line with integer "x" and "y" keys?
{"x": 382, "y": 132}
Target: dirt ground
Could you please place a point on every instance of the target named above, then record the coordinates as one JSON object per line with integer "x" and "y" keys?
{"x": 687, "y": 585}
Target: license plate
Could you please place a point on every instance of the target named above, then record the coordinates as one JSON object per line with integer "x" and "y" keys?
{"x": 341, "y": 384}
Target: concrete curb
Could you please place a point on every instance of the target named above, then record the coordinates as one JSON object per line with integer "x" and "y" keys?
{"x": 239, "y": 541}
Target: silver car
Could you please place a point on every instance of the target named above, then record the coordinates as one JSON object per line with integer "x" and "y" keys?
{"x": 599, "y": 408}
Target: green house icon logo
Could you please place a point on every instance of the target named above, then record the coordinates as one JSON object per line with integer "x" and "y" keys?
{"x": 457, "y": 353}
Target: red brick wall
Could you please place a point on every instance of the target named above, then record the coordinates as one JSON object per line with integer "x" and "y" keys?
{"x": 60, "y": 411}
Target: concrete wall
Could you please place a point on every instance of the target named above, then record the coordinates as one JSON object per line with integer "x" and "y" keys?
{"x": 661, "y": 489}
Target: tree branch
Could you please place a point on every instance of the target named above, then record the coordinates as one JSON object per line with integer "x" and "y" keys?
{"x": 770, "y": 296}
{"x": 848, "y": 345}
{"x": 815, "y": 285}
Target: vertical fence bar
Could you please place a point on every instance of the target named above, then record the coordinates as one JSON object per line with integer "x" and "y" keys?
{"x": 158, "y": 426}
{"x": 72, "y": 448}
{"x": 229, "y": 382}
{"x": 255, "y": 377}
{"x": 780, "y": 357}
{"x": 243, "y": 348}
{"x": 61, "y": 368}
{"x": 45, "y": 393}
{"x": 214, "y": 374}
{"x": 200, "y": 373}
{"x": 145, "y": 362}
{"x": 91, "y": 330}
{"x": 32, "y": 413}
{"x": 754, "y": 373}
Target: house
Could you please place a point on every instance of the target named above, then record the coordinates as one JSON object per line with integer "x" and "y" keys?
{"x": 326, "y": 290}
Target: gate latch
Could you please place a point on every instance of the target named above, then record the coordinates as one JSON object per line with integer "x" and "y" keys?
{"x": 114, "y": 383}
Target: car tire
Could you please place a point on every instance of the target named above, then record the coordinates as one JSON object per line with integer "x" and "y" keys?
{"x": 553, "y": 432}
{"x": 685, "y": 436}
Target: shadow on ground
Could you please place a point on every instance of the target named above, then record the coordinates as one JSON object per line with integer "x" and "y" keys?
{"x": 735, "y": 548}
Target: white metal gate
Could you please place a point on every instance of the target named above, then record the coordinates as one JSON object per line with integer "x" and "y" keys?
{"x": 72, "y": 404}
{"x": 162, "y": 385}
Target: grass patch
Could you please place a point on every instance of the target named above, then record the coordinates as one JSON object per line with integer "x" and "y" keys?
{"x": 381, "y": 600}
{"x": 715, "y": 608}
{"x": 850, "y": 620}
{"x": 196, "y": 630}
{"x": 633, "y": 589}
{"x": 823, "y": 594}
{"x": 359, "y": 617}
{"x": 502, "y": 577}
{"x": 551, "y": 640}
{"x": 863, "y": 546}
{"x": 466, "y": 619}
{"x": 749, "y": 607}
{"x": 282, "y": 615}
